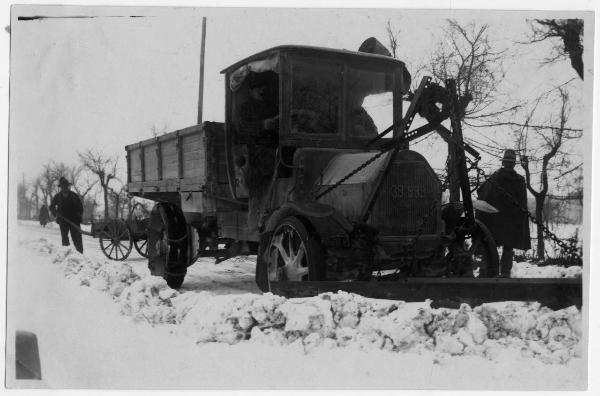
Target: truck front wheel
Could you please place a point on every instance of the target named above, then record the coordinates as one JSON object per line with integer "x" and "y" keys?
{"x": 483, "y": 252}
{"x": 292, "y": 254}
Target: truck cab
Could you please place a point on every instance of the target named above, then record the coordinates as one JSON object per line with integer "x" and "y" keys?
{"x": 330, "y": 105}
{"x": 325, "y": 98}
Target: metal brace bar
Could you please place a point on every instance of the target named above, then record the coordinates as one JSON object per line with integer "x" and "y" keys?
{"x": 447, "y": 136}
{"x": 406, "y": 122}
{"x": 410, "y": 112}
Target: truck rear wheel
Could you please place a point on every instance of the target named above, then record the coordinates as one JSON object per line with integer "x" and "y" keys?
{"x": 292, "y": 254}
{"x": 167, "y": 244}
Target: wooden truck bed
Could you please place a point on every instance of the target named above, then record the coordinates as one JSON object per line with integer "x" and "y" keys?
{"x": 187, "y": 160}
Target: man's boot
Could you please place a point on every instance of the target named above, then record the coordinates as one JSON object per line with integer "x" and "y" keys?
{"x": 506, "y": 261}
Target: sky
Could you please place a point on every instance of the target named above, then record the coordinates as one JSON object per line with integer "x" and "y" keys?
{"x": 107, "y": 82}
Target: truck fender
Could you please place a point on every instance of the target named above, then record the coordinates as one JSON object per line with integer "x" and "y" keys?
{"x": 330, "y": 225}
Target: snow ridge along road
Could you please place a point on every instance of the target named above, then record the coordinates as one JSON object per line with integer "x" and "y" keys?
{"x": 329, "y": 320}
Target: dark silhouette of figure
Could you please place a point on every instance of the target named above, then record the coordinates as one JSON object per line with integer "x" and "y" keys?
{"x": 510, "y": 226}
{"x": 258, "y": 129}
{"x": 44, "y": 216}
{"x": 66, "y": 206}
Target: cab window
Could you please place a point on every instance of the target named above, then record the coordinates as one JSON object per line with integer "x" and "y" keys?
{"x": 316, "y": 98}
{"x": 370, "y": 102}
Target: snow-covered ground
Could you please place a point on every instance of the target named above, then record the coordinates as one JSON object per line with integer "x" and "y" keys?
{"x": 529, "y": 270}
{"x": 106, "y": 324}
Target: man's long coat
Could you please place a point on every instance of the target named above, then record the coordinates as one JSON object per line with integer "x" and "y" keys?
{"x": 510, "y": 226}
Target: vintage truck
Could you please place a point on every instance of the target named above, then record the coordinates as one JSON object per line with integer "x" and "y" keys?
{"x": 342, "y": 201}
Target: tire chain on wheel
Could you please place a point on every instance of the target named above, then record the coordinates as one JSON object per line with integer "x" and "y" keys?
{"x": 178, "y": 240}
{"x": 166, "y": 220}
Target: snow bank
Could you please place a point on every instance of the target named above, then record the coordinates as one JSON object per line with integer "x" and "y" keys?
{"x": 112, "y": 277}
{"x": 150, "y": 299}
{"x": 347, "y": 320}
{"x": 529, "y": 270}
{"x": 496, "y": 331}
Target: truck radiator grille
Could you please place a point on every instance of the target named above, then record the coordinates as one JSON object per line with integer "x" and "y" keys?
{"x": 406, "y": 197}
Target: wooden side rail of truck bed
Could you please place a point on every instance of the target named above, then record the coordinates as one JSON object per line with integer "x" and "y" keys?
{"x": 190, "y": 159}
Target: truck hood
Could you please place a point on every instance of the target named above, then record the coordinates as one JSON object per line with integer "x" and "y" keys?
{"x": 342, "y": 164}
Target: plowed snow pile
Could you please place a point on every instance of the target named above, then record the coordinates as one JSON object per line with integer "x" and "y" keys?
{"x": 348, "y": 320}
{"x": 496, "y": 331}
{"x": 112, "y": 277}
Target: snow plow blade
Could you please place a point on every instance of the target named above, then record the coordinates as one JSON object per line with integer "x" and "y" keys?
{"x": 449, "y": 292}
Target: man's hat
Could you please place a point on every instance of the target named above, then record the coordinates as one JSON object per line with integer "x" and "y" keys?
{"x": 63, "y": 182}
{"x": 509, "y": 156}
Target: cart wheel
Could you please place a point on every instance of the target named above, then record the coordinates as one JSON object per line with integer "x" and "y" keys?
{"x": 141, "y": 245}
{"x": 115, "y": 240}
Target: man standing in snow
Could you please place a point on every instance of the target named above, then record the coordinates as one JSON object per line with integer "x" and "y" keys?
{"x": 510, "y": 226}
{"x": 67, "y": 208}
{"x": 44, "y": 215}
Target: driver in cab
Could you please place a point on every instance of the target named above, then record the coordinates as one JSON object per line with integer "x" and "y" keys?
{"x": 259, "y": 119}
{"x": 259, "y": 130}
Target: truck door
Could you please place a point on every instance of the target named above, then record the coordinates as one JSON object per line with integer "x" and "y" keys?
{"x": 254, "y": 132}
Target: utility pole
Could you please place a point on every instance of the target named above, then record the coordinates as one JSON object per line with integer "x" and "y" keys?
{"x": 201, "y": 80}
{"x": 22, "y": 200}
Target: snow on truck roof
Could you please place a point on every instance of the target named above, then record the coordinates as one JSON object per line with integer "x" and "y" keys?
{"x": 268, "y": 60}
{"x": 316, "y": 51}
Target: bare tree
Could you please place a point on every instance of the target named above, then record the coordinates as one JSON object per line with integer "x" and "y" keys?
{"x": 569, "y": 33}
{"x": 46, "y": 183}
{"x": 158, "y": 131}
{"x": 81, "y": 184}
{"x": 393, "y": 35}
{"x": 104, "y": 167}
{"x": 74, "y": 174}
{"x": 465, "y": 55}
{"x": 23, "y": 203}
{"x": 543, "y": 143}
{"x": 89, "y": 207}
{"x": 120, "y": 200}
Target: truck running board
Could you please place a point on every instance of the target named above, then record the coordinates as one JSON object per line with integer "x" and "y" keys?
{"x": 449, "y": 292}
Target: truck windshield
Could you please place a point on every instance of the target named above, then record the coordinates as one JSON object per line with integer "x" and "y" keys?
{"x": 316, "y": 92}
{"x": 371, "y": 102}
{"x": 317, "y": 98}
